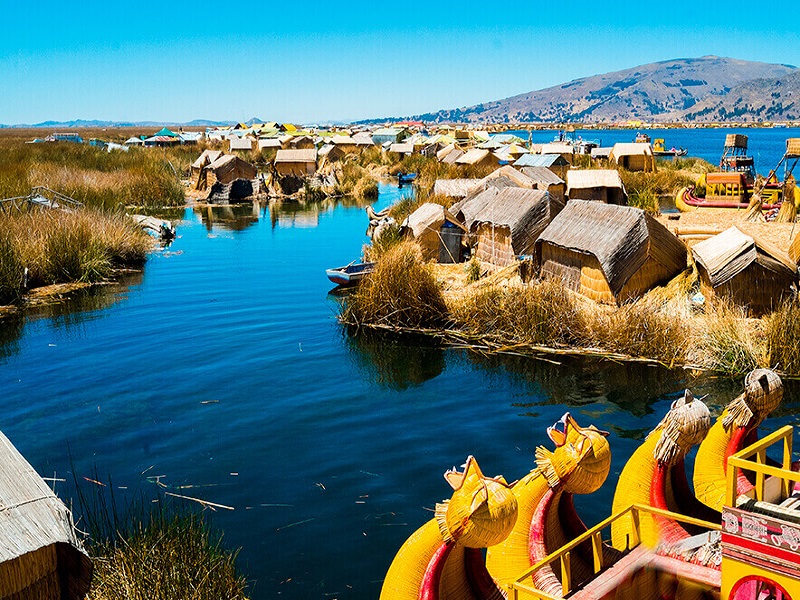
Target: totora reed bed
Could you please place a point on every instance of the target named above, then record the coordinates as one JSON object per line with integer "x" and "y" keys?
{"x": 500, "y": 313}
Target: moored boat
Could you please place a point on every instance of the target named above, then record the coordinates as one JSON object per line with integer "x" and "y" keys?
{"x": 659, "y": 149}
{"x": 404, "y": 178}
{"x": 350, "y": 274}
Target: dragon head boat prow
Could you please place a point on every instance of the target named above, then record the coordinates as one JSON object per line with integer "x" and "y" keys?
{"x": 686, "y": 424}
{"x": 481, "y": 511}
{"x": 581, "y": 459}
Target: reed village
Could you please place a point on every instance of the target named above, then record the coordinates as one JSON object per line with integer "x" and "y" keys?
{"x": 508, "y": 240}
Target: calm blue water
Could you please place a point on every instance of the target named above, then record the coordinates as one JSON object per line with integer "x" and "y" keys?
{"x": 223, "y": 368}
{"x": 766, "y": 146}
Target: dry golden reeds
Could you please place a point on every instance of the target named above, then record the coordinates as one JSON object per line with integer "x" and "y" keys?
{"x": 782, "y": 333}
{"x": 60, "y": 247}
{"x": 725, "y": 340}
{"x": 401, "y": 292}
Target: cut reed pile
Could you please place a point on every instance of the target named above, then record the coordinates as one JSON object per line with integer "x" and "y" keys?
{"x": 401, "y": 293}
{"x": 56, "y": 247}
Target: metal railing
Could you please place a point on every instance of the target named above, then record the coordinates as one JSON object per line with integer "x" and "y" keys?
{"x": 520, "y": 590}
{"x": 754, "y": 459}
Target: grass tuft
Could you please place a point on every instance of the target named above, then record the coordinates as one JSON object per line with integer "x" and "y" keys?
{"x": 401, "y": 292}
{"x": 782, "y": 334}
{"x": 727, "y": 342}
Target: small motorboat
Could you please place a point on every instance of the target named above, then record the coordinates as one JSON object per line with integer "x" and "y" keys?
{"x": 350, "y": 274}
{"x": 659, "y": 149}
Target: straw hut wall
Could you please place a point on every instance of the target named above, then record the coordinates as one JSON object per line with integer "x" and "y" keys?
{"x": 608, "y": 253}
{"x": 507, "y": 223}
{"x": 633, "y": 156}
{"x": 40, "y": 555}
{"x": 300, "y": 163}
{"x": 598, "y": 185}
{"x": 224, "y": 170}
{"x": 425, "y": 226}
{"x": 544, "y": 179}
{"x": 749, "y": 272}
{"x": 243, "y": 143}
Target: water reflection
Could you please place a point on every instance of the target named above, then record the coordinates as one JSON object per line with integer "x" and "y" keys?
{"x": 233, "y": 217}
{"x": 68, "y": 313}
{"x": 396, "y": 363}
{"x": 294, "y": 215}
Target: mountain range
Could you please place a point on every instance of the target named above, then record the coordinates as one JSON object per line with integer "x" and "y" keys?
{"x": 709, "y": 88}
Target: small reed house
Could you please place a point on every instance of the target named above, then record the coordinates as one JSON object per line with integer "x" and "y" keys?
{"x": 749, "y": 272}
{"x": 599, "y": 185}
{"x": 300, "y": 163}
{"x": 432, "y": 226}
{"x": 633, "y": 156}
{"x": 608, "y": 253}
{"x": 224, "y": 170}
{"x": 507, "y": 222}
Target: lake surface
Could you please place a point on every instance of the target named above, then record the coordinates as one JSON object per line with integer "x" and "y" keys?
{"x": 222, "y": 367}
{"x": 765, "y": 145}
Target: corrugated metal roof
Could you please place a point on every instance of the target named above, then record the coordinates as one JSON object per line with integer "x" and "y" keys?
{"x": 578, "y": 179}
{"x": 305, "y": 155}
{"x": 540, "y": 160}
{"x": 620, "y": 237}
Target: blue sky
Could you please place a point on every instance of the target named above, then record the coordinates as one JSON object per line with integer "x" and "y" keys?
{"x": 320, "y": 61}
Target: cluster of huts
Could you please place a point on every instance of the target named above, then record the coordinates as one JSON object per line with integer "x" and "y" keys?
{"x": 585, "y": 235}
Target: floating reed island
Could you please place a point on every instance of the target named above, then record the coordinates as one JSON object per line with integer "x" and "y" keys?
{"x": 523, "y": 261}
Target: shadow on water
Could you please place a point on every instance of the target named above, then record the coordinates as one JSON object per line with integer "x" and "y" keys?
{"x": 397, "y": 363}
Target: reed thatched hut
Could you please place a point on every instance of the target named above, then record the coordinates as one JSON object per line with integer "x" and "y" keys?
{"x": 41, "y": 557}
{"x": 452, "y": 156}
{"x": 564, "y": 150}
{"x": 794, "y": 250}
{"x": 224, "y": 170}
{"x": 240, "y": 143}
{"x": 206, "y": 158}
{"x": 478, "y": 158}
{"x": 599, "y": 185}
{"x": 302, "y": 142}
{"x": 608, "y": 253}
{"x": 544, "y": 179}
{"x": 269, "y": 143}
{"x": 751, "y": 273}
{"x": 346, "y": 143}
{"x": 506, "y": 223}
{"x": 426, "y": 225}
{"x": 300, "y": 163}
{"x": 517, "y": 177}
{"x": 633, "y": 156}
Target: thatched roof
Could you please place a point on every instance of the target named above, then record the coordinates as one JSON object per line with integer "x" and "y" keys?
{"x": 33, "y": 519}
{"x": 452, "y": 156}
{"x": 472, "y": 157}
{"x": 631, "y": 149}
{"x": 455, "y": 188}
{"x": 578, "y": 179}
{"x": 525, "y": 212}
{"x": 516, "y": 176}
{"x": 428, "y": 216}
{"x": 541, "y": 176}
{"x": 343, "y": 140}
{"x": 620, "y": 237}
{"x": 206, "y": 158}
{"x": 601, "y": 152}
{"x": 271, "y": 142}
{"x": 306, "y": 155}
{"x": 727, "y": 254}
{"x": 362, "y": 138}
{"x": 794, "y": 249}
{"x": 540, "y": 160}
